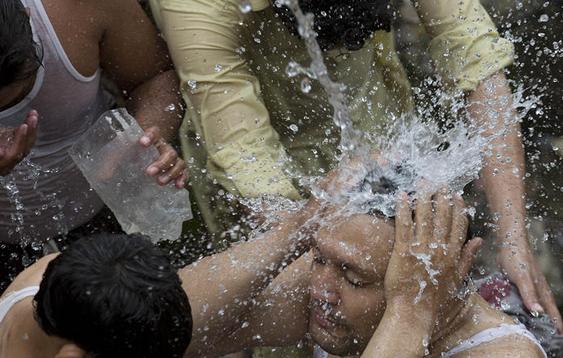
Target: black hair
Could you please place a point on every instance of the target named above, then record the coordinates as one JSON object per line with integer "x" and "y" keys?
{"x": 115, "y": 295}
{"x": 20, "y": 55}
{"x": 348, "y": 23}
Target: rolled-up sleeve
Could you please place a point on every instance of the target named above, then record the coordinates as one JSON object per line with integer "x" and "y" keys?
{"x": 466, "y": 46}
{"x": 224, "y": 97}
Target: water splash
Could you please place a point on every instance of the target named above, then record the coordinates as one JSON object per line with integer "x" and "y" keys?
{"x": 415, "y": 146}
{"x": 30, "y": 172}
{"x": 350, "y": 137}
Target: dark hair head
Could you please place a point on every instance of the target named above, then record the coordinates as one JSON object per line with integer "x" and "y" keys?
{"x": 115, "y": 296}
{"x": 347, "y": 23}
{"x": 20, "y": 56}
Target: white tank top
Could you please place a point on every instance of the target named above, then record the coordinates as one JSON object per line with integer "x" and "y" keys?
{"x": 14, "y": 297}
{"x": 482, "y": 337}
{"x": 55, "y": 198}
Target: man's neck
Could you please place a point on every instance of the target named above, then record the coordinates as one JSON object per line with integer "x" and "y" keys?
{"x": 463, "y": 319}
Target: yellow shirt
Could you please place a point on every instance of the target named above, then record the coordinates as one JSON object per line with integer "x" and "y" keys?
{"x": 254, "y": 121}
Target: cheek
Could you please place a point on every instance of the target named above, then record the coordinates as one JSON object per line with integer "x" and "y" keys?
{"x": 363, "y": 308}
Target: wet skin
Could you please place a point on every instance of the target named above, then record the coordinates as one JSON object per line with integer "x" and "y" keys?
{"x": 346, "y": 287}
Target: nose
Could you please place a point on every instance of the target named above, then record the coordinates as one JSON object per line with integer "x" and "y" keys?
{"x": 324, "y": 284}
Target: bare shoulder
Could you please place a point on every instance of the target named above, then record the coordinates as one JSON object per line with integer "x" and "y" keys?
{"x": 31, "y": 276}
{"x": 117, "y": 9}
{"x": 513, "y": 346}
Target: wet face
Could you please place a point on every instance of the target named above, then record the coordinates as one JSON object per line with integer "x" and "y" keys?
{"x": 347, "y": 297}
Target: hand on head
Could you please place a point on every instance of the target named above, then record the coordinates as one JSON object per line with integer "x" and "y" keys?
{"x": 429, "y": 258}
{"x": 349, "y": 174}
{"x": 169, "y": 167}
{"x": 16, "y": 144}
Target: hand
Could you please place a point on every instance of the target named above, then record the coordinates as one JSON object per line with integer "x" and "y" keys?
{"x": 429, "y": 259}
{"x": 169, "y": 166}
{"x": 519, "y": 263}
{"x": 16, "y": 144}
{"x": 349, "y": 174}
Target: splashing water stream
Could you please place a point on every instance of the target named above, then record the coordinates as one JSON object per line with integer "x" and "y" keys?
{"x": 414, "y": 147}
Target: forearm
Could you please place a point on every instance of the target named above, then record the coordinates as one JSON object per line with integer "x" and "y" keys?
{"x": 404, "y": 331}
{"x": 239, "y": 274}
{"x": 158, "y": 103}
{"x": 491, "y": 108}
{"x": 504, "y": 186}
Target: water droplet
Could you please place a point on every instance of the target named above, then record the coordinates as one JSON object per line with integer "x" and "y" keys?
{"x": 218, "y": 68}
{"x": 293, "y": 69}
{"x": 544, "y": 18}
{"x": 245, "y": 7}
{"x": 306, "y": 85}
{"x": 193, "y": 84}
{"x": 294, "y": 128}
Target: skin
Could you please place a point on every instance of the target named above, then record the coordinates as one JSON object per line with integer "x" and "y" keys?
{"x": 358, "y": 302}
{"x": 504, "y": 188}
{"x": 240, "y": 278}
{"x": 353, "y": 294}
{"x": 94, "y": 35}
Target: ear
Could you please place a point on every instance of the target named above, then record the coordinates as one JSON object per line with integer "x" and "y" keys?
{"x": 71, "y": 351}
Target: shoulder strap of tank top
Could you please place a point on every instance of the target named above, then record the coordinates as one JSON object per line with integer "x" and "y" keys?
{"x": 48, "y": 33}
{"x": 14, "y": 297}
{"x": 491, "y": 334}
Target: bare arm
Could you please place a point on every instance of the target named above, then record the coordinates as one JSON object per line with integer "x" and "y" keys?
{"x": 235, "y": 278}
{"x": 135, "y": 57}
{"x": 278, "y": 317}
{"x": 491, "y": 107}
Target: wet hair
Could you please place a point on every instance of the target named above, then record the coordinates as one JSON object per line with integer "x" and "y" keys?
{"x": 348, "y": 23}
{"x": 20, "y": 55}
{"x": 115, "y": 296}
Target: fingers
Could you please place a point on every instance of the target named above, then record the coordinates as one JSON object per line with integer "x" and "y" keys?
{"x": 24, "y": 139}
{"x": 460, "y": 223}
{"x": 166, "y": 161}
{"x": 548, "y": 301}
{"x": 443, "y": 219}
{"x": 423, "y": 218}
{"x": 525, "y": 283}
{"x": 175, "y": 172}
{"x": 31, "y": 120}
{"x": 467, "y": 256}
{"x": 403, "y": 224}
{"x": 169, "y": 167}
{"x": 151, "y": 137}
{"x": 180, "y": 182}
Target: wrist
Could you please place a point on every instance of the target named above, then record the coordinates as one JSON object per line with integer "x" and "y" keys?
{"x": 420, "y": 316}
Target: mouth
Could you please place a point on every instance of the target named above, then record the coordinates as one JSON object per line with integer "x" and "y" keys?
{"x": 323, "y": 317}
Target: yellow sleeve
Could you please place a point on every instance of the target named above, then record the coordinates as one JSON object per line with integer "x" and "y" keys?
{"x": 466, "y": 46}
{"x": 244, "y": 151}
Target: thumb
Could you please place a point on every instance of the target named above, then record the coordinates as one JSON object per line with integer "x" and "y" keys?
{"x": 468, "y": 253}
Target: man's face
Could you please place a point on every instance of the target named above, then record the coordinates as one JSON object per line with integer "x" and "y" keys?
{"x": 347, "y": 297}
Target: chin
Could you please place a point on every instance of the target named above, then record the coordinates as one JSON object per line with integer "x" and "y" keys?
{"x": 341, "y": 345}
